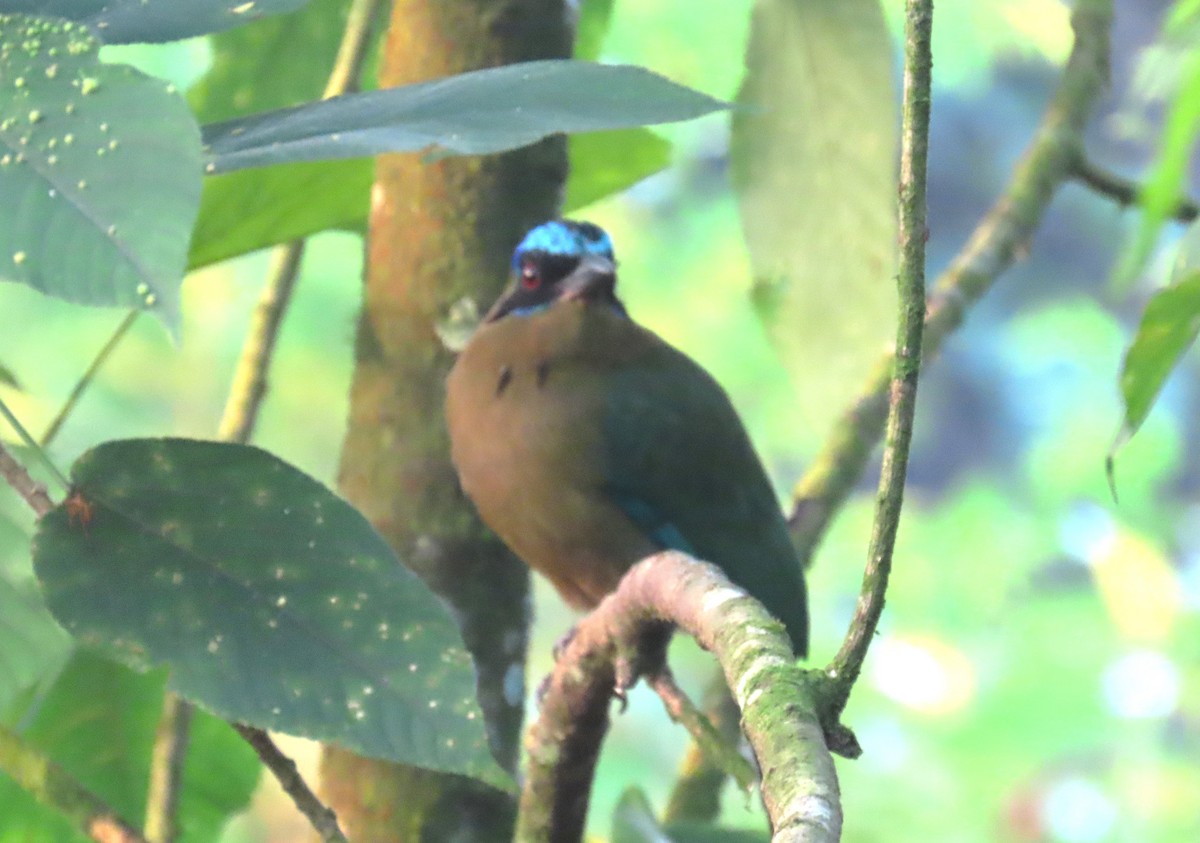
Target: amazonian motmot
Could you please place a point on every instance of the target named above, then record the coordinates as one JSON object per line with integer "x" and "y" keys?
{"x": 588, "y": 443}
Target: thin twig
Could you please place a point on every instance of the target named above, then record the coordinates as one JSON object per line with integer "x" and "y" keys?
{"x": 250, "y": 378}
{"x": 284, "y": 769}
{"x": 240, "y": 416}
{"x": 166, "y": 765}
{"x": 721, "y": 752}
{"x": 998, "y": 240}
{"x": 1123, "y": 191}
{"x": 16, "y": 476}
{"x": 696, "y": 793}
{"x": 85, "y": 380}
{"x": 53, "y": 786}
{"x": 33, "y": 446}
{"x": 914, "y": 151}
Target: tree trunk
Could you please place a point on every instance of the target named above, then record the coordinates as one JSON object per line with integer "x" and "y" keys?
{"x": 439, "y": 231}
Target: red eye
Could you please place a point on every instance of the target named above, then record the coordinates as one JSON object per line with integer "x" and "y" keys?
{"x": 530, "y": 278}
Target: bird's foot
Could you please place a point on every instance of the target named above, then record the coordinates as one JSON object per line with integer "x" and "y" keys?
{"x": 645, "y": 657}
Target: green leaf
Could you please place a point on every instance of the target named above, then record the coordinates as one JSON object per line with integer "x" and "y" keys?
{"x": 277, "y": 62}
{"x": 132, "y": 21}
{"x": 272, "y": 601}
{"x": 604, "y": 163}
{"x": 1168, "y": 177}
{"x": 1168, "y": 328}
{"x": 813, "y": 165}
{"x": 594, "y": 19}
{"x": 473, "y": 113}
{"x": 98, "y": 721}
{"x": 99, "y": 170}
{"x": 32, "y": 645}
{"x": 252, "y": 209}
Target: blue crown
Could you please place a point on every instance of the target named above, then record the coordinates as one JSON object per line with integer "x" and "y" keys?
{"x": 565, "y": 237}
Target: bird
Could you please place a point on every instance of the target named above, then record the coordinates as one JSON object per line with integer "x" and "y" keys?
{"x": 587, "y": 442}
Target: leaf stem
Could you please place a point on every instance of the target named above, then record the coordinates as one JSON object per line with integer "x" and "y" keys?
{"x": 85, "y": 380}
{"x": 33, "y": 446}
{"x": 284, "y": 769}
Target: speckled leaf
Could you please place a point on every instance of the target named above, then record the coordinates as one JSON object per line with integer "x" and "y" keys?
{"x": 272, "y": 601}
{"x": 131, "y": 21}
{"x": 813, "y": 164}
{"x": 99, "y": 170}
{"x": 1169, "y": 327}
{"x": 473, "y": 113}
{"x": 98, "y": 721}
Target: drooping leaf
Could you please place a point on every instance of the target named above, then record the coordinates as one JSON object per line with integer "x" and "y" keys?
{"x": 473, "y": 113}
{"x": 272, "y": 601}
{"x": 99, "y": 170}
{"x": 1168, "y": 179}
{"x": 98, "y": 722}
{"x": 1168, "y": 328}
{"x": 813, "y": 154}
{"x": 133, "y": 21}
{"x": 604, "y": 163}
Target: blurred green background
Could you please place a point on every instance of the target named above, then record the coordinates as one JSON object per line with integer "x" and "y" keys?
{"x": 1036, "y": 676}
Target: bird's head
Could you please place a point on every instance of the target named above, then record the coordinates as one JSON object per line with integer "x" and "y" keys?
{"x": 559, "y": 261}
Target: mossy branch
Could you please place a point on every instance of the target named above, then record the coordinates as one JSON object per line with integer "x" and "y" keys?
{"x": 779, "y": 714}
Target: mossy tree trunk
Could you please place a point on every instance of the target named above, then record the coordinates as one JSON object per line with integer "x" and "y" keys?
{"x": 440, "y": 231}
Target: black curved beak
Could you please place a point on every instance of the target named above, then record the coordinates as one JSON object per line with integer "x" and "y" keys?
{"x": 595, "y": 279}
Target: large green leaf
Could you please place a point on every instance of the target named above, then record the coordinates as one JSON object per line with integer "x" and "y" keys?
{"x": 272, "y": 601}
{"x": 252, "y": 209}
{"x": 130, "y": 21}
{"x": 277, "y": 62}
{"x": 99, "y": 170}
{"x": 473, "y": 113}
{"x": 813, "y": 157}
{"x": 98, "y": 722}
{"x": 1168, "y": 328}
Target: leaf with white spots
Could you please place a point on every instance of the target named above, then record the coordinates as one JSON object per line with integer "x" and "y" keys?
{"x": 272, "y": 601}
{"x": 99, "y": 170}
{"x": 133, "y": 21}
